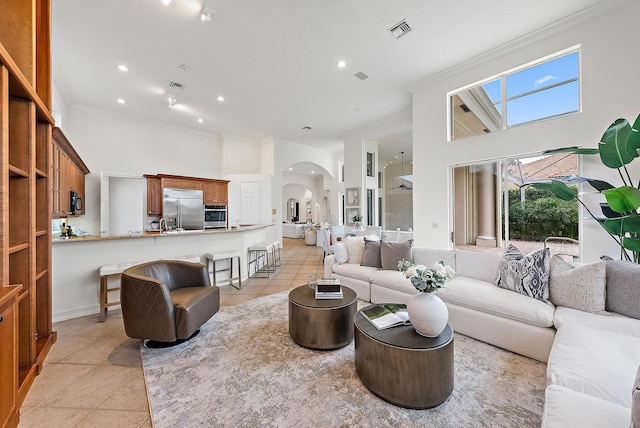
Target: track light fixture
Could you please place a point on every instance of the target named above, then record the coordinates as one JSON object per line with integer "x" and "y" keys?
{"x": 166, "y": 2}
{"x": 172, "y": 102}
{"x": 206, "y": 15}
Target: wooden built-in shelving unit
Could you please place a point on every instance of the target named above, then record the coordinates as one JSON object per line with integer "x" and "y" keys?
{"x": 25, "y": 212}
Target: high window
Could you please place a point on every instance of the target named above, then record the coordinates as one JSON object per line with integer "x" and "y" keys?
{"x": 547, "y": 88}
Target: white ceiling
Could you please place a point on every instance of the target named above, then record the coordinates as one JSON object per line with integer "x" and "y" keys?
{"x": 274, "y": 60}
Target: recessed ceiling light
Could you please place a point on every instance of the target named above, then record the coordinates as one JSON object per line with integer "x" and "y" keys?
{"x": 184, "y": 67}
{"x": 220, "y": 98}
{"x": 341, "y": 64}
{"x": 306, "y": 128}
{"x": 312, "y": 171}
{"x": 166, "y": 2}
{"x": 200, "y": 120}
{"x": 123, "y": 67}
{"x": 121, "y": 101}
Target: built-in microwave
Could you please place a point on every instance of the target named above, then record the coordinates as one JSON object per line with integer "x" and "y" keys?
{"x": 215, "y": 216}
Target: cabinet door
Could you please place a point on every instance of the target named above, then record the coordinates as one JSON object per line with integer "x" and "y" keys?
{"x": 209, "y": 192}
{"x": 222, "y": 193}
{"x": 173, "y": 183}
{"x": 55, "y": 181}
{"x": 66, "y": 172}
{"x": 154, "y": 196}
{"x": 80, "y": 177}
{"x": 192, "y": 184}
{"x": 8, "y": 363}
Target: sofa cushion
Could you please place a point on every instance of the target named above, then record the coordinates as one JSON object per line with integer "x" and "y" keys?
{"x": 355, "y": 249}
{"x": 371, "y": 255}
{"x": 392, "y": 252}
{"x": 566, "y": 408}
{"x": 356, "y": 271}
{"x": 581, "y": 288}
{"x": 528, "y": 275}
{"x": 394, "y": 280}
{"x": 340, "y": 251}
{"x": 635, "y": 402}
{"x": 614, "y": 322}
{"x": 481, "y": 265}
{"x": 486, "y": 297}
{"x": 623, "y": 288}
{"x": 595, "y": 362}
{"x": 429, "y": 256}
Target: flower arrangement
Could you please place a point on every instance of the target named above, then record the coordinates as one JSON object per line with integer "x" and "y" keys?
{"x": 357, "y": 218}
{"x": 426, "y": 279}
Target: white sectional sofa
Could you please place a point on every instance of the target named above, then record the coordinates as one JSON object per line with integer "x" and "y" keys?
{"x": 592, "y": 359}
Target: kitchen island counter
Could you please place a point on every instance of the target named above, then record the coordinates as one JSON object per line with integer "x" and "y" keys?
{"x": 154, "y": 234}
{"x": 77, "y": 261}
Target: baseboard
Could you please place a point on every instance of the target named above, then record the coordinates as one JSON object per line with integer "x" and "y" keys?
{"x": 76, "y": 313}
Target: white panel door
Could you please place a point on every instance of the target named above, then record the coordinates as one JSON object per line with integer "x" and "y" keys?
{"x": 250, "y": 203}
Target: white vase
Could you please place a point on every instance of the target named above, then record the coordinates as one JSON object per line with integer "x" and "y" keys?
{"x": 428, "y": 314}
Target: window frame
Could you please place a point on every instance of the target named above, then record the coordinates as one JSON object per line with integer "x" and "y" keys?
{"x": 502, "y": 77}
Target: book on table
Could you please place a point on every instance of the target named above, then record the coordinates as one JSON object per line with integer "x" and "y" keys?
{"x": 329, "y": 288}
{"x": 387, "y": 315}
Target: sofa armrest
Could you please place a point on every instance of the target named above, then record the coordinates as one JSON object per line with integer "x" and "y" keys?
{"x": 329, "y": 261}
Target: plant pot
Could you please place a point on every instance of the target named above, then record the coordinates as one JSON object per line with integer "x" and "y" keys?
{"x": 428, "y": 314}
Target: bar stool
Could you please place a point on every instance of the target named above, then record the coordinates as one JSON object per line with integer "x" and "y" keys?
{"x": 219, "y": 256}
{"x": 275, "y": 251}
{"x": 259, "y": 257}
{"x": 106, "y": 272}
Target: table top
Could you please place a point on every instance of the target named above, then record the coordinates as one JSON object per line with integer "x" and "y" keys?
{"x": 404, "y": 336}
{"x": 305, "y": 296}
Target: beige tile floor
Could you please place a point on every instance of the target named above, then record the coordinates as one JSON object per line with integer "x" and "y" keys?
{"x": 93, "y": 374}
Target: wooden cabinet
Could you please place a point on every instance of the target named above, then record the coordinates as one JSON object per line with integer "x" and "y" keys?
{"x": 154, "y": 196}
{"x": 215, "y": 192}
{"x": 26, "y": 166}
{"x": 9, "y": 355}
{"x": 68, "y": 171}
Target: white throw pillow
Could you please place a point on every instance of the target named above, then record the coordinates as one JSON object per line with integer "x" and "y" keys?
{"x": 582, "y": 288}
{"x": 355, "y": 249}
{"x": 340, "y": 251}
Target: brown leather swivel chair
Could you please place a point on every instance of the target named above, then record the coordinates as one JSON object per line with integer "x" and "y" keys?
{"x": 165, "y": 302}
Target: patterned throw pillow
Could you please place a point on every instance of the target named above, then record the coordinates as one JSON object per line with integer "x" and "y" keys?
{"x": 528, "y": 275}
{"x": 582, "y": 288}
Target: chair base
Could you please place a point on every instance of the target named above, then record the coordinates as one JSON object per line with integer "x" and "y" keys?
{"x": 155, "y": 344}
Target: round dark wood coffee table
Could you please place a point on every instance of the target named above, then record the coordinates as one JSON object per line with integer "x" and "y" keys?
{"x": 402, "y": 367}
{"x": 321, "y": 324}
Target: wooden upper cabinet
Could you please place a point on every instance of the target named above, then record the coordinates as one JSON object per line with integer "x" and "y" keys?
{"x": 68, "y": 171}
{"x": 154, "y": 196}
{"x": 181, "y": 183}
{"x": 215, "y": 192}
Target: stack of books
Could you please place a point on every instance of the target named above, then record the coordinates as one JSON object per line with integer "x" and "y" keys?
{"x": 328, "y": 288}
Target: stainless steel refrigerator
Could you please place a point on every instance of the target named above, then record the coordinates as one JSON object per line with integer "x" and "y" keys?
{"x": 183, "y": 209}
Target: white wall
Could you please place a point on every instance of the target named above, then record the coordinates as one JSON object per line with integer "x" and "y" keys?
{"x": 609, "y": 90}
{"x": 122, "y": 145}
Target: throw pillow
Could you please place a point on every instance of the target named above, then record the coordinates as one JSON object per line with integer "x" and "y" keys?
{"x": 340, "y": 252}
{"x": 623, "y": 288}
{"x": 355, "y": 249}
{"x": 581, "y": 288}
{"x": 371, "y": 253}
{"x": 392, "y": 252}
{"x": 635, "y": 402}
{"x": 528, "y": 275}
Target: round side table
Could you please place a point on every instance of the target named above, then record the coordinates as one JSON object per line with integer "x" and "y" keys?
{"x": 402, "y": 367}
{"x": 321, "y": 324}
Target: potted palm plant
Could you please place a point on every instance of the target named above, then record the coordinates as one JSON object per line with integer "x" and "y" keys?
{"x": 618, "y": 147}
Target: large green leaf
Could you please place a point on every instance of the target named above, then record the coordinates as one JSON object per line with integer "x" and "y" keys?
{"x": 623, "y": 199}
{"x": 613, "y": 145}
{"x": 558, "y": 188}
{"x": 631, "y": 243}
{"x": 621, "y": 225}
{"x": 633, "y": 140}
{"x": 599, "y": 185}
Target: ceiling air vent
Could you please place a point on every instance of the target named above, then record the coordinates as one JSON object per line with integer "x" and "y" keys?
{"x": 400, "y": 29}
{"x": 360, "y": 75}
{"x": 178, "y": 86}
{"x": 464, "y": 108}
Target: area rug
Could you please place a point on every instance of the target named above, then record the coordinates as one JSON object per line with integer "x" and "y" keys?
{"x": 243, "y": 370}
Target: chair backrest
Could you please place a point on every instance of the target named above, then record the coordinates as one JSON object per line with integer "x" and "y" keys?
{"x": 374, "y": 230}
{"x": 323, "y": 238}
{"x": 337, "y": 231}
{"x": 173, "y": 273}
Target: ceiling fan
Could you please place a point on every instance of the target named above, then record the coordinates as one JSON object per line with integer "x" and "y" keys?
{"x": 402, "y": 186}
